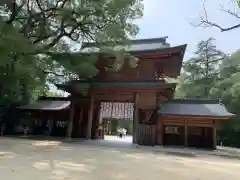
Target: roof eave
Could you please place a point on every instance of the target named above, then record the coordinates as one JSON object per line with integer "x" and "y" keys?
{"x": 180, "y": 48}
{"x": 46, "y": 105}
{"x": 207, "y": 116}
{"x": 195, "y": 101}
{"x": 131, "y": 41}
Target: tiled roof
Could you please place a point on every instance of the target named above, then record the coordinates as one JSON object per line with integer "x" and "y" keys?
{"x": 194, "y": 108}
{"x": 134, "y": 45}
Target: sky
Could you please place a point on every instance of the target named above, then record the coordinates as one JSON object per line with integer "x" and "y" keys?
{"x": 172, "y": 18}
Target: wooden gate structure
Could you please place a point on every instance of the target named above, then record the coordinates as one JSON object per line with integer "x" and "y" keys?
{"x": 157, "y": 118}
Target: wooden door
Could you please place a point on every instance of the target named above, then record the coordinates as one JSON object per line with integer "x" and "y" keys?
{"x": 146, "y": 134}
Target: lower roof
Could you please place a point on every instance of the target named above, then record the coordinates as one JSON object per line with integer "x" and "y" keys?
{"x": 211, "y": 108}
{"x": 47, "y": 105}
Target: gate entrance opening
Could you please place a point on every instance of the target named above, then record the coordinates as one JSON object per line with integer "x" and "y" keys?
{"x": 117, "y": 120}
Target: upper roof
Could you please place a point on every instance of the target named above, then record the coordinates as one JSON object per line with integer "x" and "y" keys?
{"x": 184, "y": 107}
{"x": 133, "y": 45}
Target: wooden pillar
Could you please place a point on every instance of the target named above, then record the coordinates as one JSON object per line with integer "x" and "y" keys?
{"x": 100, "y": 122}
{"x": 50, "y": 125}
{"x": 96, "y": 118}
{"x": 185, "y": 133}
{"x": 90, "y": 118}
{"x": 159, "y": 130}
{"x": 135, "y": 118}
{"x": 2, "y": 128}
{"x": 214, "y": 135}
{"x": 70, "y": 122}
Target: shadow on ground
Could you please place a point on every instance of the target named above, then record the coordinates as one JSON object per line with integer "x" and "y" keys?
{"x": 121, "y": 144}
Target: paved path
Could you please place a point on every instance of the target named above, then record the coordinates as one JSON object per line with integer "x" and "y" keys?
{"x": 44, "y": 160}
{"x": 124, "y": 139}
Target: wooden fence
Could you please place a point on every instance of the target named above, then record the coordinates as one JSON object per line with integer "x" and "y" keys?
{"x": 146, "y": 135}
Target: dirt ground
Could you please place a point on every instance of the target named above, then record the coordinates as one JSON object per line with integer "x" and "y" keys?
{"x": 22, "y": 159}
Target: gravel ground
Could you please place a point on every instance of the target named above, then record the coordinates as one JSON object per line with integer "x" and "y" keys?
{"x": 22, "y": 159}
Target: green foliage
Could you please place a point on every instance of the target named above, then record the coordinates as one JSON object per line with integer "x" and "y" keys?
{"x": 228, "y": 89}
{"x": 36, "y": 38}
{"x": 201, "y": 72}
{"x": 19, "y": 72}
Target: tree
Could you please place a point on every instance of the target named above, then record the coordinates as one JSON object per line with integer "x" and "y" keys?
{"x": 201, "y": 72}
{"x": 232, "y": 12}
{"x": 36, "y": 39}
{"x": 228, "y": 90}
{"x": 227, "y": 87}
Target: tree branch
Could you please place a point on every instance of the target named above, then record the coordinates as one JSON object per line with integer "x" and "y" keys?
{"x": 205, "y": 22}
{"x": 228, "y": 11}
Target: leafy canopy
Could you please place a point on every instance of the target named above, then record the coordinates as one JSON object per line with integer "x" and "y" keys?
{"x": 37, "y": 39}
{"x": 201, "y": 71}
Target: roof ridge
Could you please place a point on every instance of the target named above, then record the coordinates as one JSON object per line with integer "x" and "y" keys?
{"x": 132, "y": 41}
{"x": 197, "y": 101}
